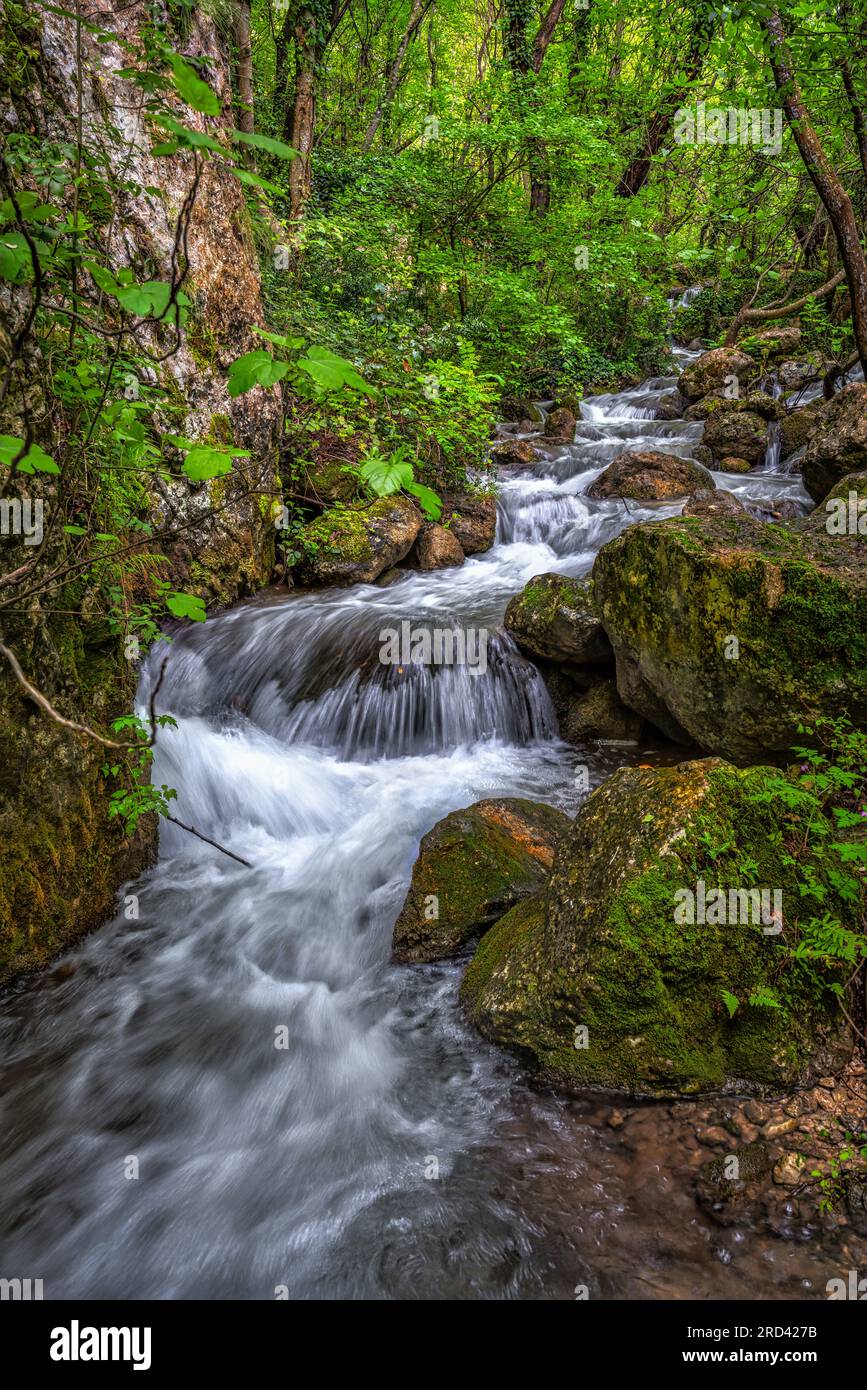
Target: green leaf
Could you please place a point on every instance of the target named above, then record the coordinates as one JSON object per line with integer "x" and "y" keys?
{"x": 257, "y": 368}
{"x": 255, "y": 180}
{"x": 204, "y": 462}
{"x": 194, "y": 91}
{"x": 34, "y": 461}
{"x": 185, "y": 136}
{"x": 731, "y": 1002}
{"x": 386, "y": 475}
{"x": 265, "y": 142}
{"x": 431, "y": 504}
{"x": 764, "y": 999}
{"x": 186, "y": 606}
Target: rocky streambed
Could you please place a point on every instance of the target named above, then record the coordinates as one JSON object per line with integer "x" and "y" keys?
{"x": 308, "y": 1101}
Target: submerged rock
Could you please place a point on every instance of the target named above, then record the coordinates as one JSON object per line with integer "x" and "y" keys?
{"x": 649, "y": 476}
{"x": 473, "y": 866}
{"x": 355, "y": 546}
{"x": 838, "y": 444}
{"x": 553, "y": 618}
{"x": 736, "y": 631}
{"x": 602, "y": 985}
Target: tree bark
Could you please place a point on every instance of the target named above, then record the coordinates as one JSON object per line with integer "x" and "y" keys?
{"x": 781, "y": 311}
{"x": 245, "y": 70}
{"x": 827, "y": 184}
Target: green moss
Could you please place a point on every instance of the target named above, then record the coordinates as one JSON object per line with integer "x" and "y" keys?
{"x": 609, "y": 955}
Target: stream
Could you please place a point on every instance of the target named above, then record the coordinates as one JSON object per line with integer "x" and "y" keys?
{"x": 235, "y": 1092}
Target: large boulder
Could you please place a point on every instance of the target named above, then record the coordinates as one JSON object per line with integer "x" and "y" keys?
{"x": 739, "y": 433}
{"x": 614, "y": 978}
{"x": 649, "y": 476}
{"x": 773, "y": 343}
{"x": 472, "y": 517}
{"x": 472, "y": 867}
{"x": 437, "y": 548}
{"x": 560, "y": 426}
{"x": 514, "y": 452}
{"x": 798, "y": 427}
{"x": 716, "y": 370}
{"x": 356, "y": 545}
{"x": 717, "y": 403}
{"x": 739, "y": 632}
{"x": 553, "y": 618}
{"x": 839, "y": 442}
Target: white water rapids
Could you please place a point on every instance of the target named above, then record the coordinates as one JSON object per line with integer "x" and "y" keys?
{"x": 386, "y": 1151}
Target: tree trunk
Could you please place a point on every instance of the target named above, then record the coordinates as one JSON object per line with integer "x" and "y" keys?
{"x": 416, "y": 16}
{"x": 637, "y": 171}
{"x": 245, "y": 70}
{"x": 827, "y": 184}
{"x": 303, "y": 119}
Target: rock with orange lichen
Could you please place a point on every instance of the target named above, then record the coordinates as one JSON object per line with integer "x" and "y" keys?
{"x": 472, "y": 867}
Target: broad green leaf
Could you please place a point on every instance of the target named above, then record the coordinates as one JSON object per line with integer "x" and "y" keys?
{"x": 257, "y": 368}
{"x": 265, "y": 142}
{"x": 205, "y": 462}
{"x": 34, "y": 461}
{"x": 193, "y": 89}
{"x": 186, "y": 606}
{"x": 431, "y": 504}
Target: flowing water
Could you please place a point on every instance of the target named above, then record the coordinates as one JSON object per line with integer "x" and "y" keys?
{"x": 234, "y": 1090}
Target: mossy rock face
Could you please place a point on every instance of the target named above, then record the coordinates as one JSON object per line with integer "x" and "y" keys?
{"x": 472, "y": 867}
{"x": 739, "y": 433}
{"x": 328, "y": 481}
{"x": 715, "y": 371}
{"x": 798, "y": 427}
{"x": 600, "y": 950}
{"x": 553, "y": 618}
{"x": 738, "y": 630}
{"x": 649, "y": 476}
{"x": 355, "y": 546}
{"x": 514, "y": 452}
{"x": 838, "y": 445}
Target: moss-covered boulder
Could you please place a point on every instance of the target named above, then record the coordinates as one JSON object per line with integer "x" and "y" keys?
{"x": 739, "y": 433}
{"x": 649, "y": 476}
{"x": 613, "y": 977}
{"x": 798, "y": 427}
{"x": 735, "y": 630}
{"x": 355, "y": 545}
{"x": 717, "y": 370}
{"x": 838, "y": 444}
{"x": 553, "y": 618}
{"x": 472, "y": 867}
